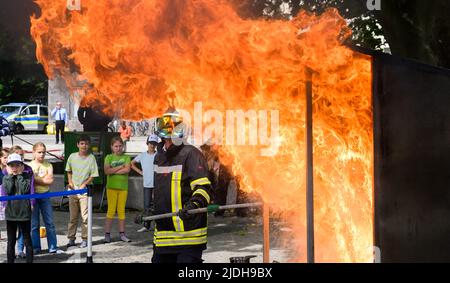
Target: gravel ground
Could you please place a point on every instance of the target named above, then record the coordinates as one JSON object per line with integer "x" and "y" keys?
{"x": 227, "y": 237}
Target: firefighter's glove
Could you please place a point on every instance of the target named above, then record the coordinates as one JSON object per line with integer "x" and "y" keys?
{"x": 138, "y": 219}
{"x": 183, "y": 213}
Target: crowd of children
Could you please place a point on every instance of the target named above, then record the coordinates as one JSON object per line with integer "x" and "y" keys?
{"x": 23, "y": 216}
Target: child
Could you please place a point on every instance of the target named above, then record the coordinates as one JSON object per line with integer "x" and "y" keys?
{"x": 3, "y": 162}
{"x": 81, "y": 170}
{"x": 146, "y": 160}
{"x": 43, "y": 177}
{"x": 117, "y": 167}
{"x": 18, "y": 212}
{"x": 18, "y": 150}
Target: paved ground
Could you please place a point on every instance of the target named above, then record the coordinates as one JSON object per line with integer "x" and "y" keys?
{"x": 227, "y": 237}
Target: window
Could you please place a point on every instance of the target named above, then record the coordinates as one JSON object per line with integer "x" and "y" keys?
{"x": 25, "y": 111}
{"x": 44, "y": 111}
{"x": 9, "y": 109}
{"x": 33, "y": 110}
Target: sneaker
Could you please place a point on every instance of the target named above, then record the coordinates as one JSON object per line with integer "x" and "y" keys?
{"x": 71, "y": 243}
{"x": 83, "y": 244}
{"x": 143, "y": 229}
{"x": 107, "y": 238}
{"x": 21, "y": 255}
{"x": 36, "y": 251}
{"x": 124, "y": 238}
{"x": 57, "y": 252}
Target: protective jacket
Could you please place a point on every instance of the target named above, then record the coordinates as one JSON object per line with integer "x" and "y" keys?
{"x": 181, "y": 175}
{"x": 18, "y": 210}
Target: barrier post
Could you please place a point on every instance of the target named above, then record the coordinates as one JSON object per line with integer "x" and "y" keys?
{"x": 266, "y": 233}
{"x": 89, "y": 247}
{"x": 309, "y": 169}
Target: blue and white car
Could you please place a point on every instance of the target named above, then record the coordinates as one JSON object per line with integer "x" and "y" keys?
{"x": 24, "y": 117}
{"x": 10, "y": 111}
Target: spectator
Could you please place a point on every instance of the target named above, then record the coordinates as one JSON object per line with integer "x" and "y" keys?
{"x": 43, "y": 177}
{"x": 125, "y": 134}
{"x": 81, "y": 170}
{"x": 18, "y": 212}
{"x": 4, "y": 130}
{"x": 117, "y": 167}
{"x": 125, "y": 131}
{"x": 27, "y": 169}
{"x": 145, "y": 159}
{"x": 3, "y": 163}
{"x": 61, "y": 119}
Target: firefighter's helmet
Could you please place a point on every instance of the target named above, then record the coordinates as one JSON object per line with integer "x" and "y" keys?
{"x": 170, "y": 125}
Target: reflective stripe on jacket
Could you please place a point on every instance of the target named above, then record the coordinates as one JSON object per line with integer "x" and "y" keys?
{"x": 180, "y": 175}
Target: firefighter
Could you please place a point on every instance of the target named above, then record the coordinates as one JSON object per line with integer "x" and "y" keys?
{"x": 181, "y": 184}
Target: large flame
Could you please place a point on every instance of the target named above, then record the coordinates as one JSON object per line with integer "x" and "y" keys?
{"x": 140, "y": 56}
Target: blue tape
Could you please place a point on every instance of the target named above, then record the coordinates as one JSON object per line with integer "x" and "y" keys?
{"x": 46, "y": 195}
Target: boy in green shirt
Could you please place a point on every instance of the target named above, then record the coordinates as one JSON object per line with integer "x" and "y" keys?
{"x": 81, "y": 170}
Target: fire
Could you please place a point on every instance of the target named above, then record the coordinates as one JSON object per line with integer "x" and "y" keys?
{"x": 140, "y": 56}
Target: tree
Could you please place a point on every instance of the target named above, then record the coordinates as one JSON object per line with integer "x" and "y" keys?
{"x": 414, "y": 29}
{"x": 22, "y": 78}
{"x": 418, "y": 29}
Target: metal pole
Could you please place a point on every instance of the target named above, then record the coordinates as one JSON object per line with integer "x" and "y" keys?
{"x": 266, "y": 235}
{"x": 202, "y": 210}
{"x": 89, "y": 247}
{"x": 309, "y": 168}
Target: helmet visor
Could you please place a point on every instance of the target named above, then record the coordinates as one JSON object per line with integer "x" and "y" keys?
{"x": 166, "y": 126}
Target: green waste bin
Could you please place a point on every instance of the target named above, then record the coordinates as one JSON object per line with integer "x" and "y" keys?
{"x": 100, "y": 147}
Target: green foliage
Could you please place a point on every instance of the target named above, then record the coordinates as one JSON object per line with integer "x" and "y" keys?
{"x": 367, "y": 32}
{"x": 23, "y": 90}
{"x": 22, "y": 79}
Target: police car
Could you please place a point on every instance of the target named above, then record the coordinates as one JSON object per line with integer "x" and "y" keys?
{"x": 24, "y": 117}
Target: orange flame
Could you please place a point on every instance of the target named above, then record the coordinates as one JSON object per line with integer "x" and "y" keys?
{"x": 140, "y": 56}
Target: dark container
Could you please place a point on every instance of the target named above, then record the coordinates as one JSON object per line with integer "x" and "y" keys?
{"x": 411, "y": 103}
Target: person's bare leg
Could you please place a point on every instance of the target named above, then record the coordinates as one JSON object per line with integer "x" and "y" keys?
{"x": 121, "y": 226}
{"x": 108, "y": 224}
{"x": 123, "y": 237}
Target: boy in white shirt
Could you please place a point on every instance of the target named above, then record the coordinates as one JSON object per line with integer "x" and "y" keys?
{"x": 146, "y": 160}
